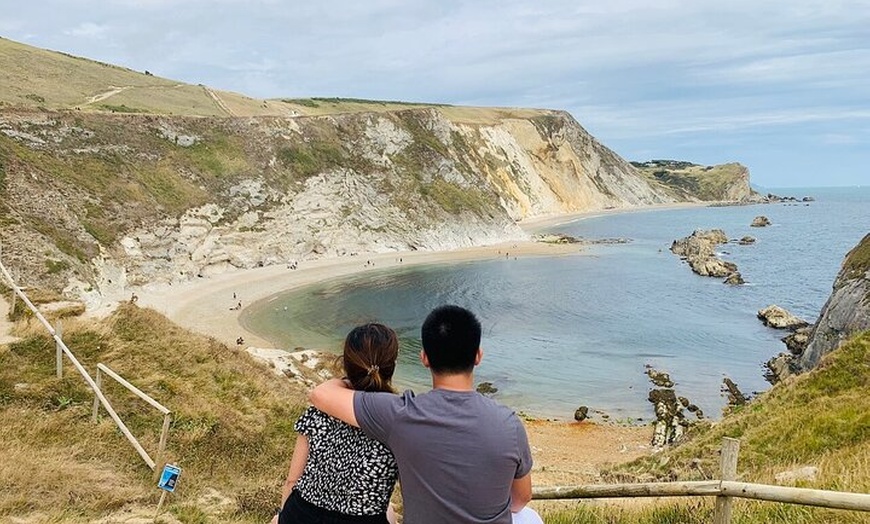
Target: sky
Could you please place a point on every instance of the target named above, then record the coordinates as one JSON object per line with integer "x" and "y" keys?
{"x": 782, "y": 87}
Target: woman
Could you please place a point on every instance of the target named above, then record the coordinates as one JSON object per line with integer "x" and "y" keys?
{"x": 338, "y": 474}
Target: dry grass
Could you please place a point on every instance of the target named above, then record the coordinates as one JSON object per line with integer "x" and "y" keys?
{"x": 38, "y": 78}
{"x": 820, "y": 419}
{"x": 231, "y": 430}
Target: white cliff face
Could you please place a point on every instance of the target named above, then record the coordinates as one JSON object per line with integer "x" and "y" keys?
{"x": 527, "y": 169}
{"x": 288, "y": 189}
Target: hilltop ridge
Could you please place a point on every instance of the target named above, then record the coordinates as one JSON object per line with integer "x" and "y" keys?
{"x": 117, "y": 177}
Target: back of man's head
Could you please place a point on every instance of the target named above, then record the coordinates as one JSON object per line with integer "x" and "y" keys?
{"x": 451, "y": 338}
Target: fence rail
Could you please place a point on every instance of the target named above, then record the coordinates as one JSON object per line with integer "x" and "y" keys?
{"x": 99, "y": 397}
{"x": 724, "y": 491}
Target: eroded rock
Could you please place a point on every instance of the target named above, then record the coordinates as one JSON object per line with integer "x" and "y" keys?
{"x": 779, "y": 318}
{"x": 760, "y": 221}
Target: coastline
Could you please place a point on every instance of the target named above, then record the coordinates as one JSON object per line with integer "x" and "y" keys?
{"x": 209, "y": 305}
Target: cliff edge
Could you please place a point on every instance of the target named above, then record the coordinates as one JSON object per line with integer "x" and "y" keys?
{"x": 847, "y": 311}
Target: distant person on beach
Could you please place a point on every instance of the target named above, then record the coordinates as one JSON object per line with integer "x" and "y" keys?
{"x": 463, "y": 458}
{"x": 337, "y": 473}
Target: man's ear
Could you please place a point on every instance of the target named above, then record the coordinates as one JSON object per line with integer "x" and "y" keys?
{"x": 479, "y": 356}
{"x": 424, "y": 359}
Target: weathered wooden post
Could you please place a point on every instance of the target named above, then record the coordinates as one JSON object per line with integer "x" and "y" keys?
{"x": 14, "y": 294}
{"x": 164, "y": 434}
{"x": 58, "y": 334}
{"x": 99, "y": 383}
{"x": 727, "y": 472}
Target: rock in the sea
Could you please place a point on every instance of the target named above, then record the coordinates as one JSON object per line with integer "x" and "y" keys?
{"x": 808, "y": 199}
{"x": 735, "y": 396}
{"x": 734, "y": 279}
{"x": 581, "y": 413}
{"x": 659, "y": 378}
{"x": 779, "y": 318}
{"x": 746, "y": 240}
{"x": 760, "y": 221}
{"x": 698, "y": 249}
{"x": 486, "y": 388}
{"x": 711, "y": 266}
{"x": 699, "y": 243}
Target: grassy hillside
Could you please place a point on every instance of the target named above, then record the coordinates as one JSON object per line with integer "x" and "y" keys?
{"x": 686, "y": 179}
{"x": 821, "y": 419}
{"x": 231, "y": 431}
{"x": 37, "y": 78}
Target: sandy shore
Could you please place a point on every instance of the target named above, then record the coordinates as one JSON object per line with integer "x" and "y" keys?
{"x": 209, "y": 305}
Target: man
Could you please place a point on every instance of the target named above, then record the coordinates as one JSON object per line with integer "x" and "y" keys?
{"x": 462, "y": 457}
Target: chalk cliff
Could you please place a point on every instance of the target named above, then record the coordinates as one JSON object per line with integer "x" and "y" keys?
{"x": 98, "y": 202}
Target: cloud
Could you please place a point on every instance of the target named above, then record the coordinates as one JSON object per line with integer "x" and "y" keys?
{"x": 88, "y": 30}
{"x": 631, "y": 71}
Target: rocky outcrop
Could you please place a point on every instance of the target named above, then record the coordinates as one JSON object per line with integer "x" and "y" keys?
{"x": 734, "y": 279}
{"x": 735, "y": 397}
{"x": 760, "y": 221}
{"x": 698, "y": 250}
{"x": 779, "y": 318}
{"x": 846, "y": 311}
{"x": 700, "y": 243}
{"x": 797, "y": 342}
{"x": 671, "y": 421}
{"x": 746, "y": 240}
{"x": 712, "y": 266}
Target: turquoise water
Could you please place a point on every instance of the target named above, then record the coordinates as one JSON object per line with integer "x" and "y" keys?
{"x": 579, "y": 329}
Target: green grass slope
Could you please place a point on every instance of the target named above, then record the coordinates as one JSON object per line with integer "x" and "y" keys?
{"x": 35, "y": 78}
{"x": 231, "y": 430}
{"x": 820, "y": 419}
{"x": 688, "y": 180}
{"x": 40, "y": 79}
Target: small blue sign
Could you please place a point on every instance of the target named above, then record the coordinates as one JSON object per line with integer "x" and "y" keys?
{"x": 169, "y": 478}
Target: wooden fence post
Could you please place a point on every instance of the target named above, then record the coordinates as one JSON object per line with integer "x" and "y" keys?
{"x": 14, "y": 294}
{"x": 99, "y": 383}
{"x": 167, "y": 419}
{"x": 58, "y": 333}
{"x": 727, "y": 472}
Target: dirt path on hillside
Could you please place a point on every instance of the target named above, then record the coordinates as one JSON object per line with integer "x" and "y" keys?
{"x": 108, "y": 94}
{"x": 217, "y": 100}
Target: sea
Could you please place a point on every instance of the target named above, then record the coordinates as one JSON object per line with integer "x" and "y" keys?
{"x": 582, "y": 329}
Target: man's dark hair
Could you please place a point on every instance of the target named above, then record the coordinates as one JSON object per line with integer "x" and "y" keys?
{"x": 451, "y": 338}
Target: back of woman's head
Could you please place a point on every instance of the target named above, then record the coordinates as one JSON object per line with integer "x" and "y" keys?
{"x": 369, "y": 358}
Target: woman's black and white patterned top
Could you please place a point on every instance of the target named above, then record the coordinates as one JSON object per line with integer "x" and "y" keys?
{"x": 346, "y": 471}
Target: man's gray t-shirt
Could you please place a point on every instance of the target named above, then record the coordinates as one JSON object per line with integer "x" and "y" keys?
{"x": 458, "y": 452}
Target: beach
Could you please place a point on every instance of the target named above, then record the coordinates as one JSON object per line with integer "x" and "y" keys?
{"x": 209, "y": 305}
